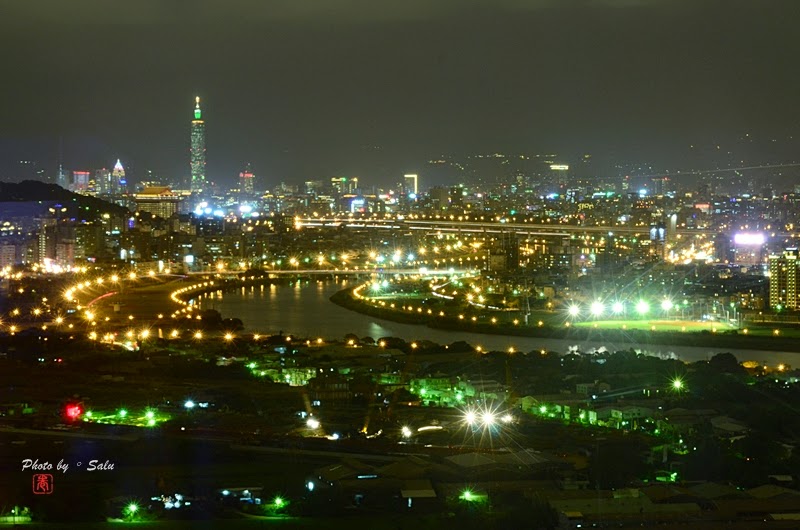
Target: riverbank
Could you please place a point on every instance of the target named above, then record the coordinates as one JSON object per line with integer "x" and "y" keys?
{"x": 730, "y": 339}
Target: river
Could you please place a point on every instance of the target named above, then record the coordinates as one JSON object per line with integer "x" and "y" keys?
{"x": 305, "y": 309}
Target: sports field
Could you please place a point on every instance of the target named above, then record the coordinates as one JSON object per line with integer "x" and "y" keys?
{"x": 659, "y": 325}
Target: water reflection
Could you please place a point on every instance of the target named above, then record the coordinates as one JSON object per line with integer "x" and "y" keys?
{"x": 304, "y": 309}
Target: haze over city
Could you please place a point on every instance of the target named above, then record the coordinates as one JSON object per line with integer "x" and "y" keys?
{"x": 375, "y": 89}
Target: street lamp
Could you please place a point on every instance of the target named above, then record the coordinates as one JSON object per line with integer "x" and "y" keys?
{"x": 470, "y": 417}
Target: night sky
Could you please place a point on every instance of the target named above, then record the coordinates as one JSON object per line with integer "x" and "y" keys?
{"x": 312, "y": 88}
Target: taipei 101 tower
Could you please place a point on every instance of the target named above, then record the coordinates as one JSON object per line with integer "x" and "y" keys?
{"x": 198, "y": 150}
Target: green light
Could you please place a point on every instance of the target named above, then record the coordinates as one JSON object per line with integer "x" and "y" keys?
{"x": 133, "y": 508}
{"x": 149, "y": 415}
{"x": 88, "y": 414}
{"x": 677, "y": 384}
{"x": 459, "y": 397}
{"x": 543, "y": 409}
{"x": 251, "y": 365}
{"x": 423, "y": 391}
{"x": 278, "y": 502}
{"x": 466, "y": 495}
{"x": 642, "y": 307}
{"x": 151, "y": 422}
{"x": 122, "y": 413}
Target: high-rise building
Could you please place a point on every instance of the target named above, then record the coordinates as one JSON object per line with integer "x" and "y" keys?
{"x": 783, "y": 280}
{"x": 62, "y": 179}
{"x": 314, "y": 187}
{"x": 246, "y": 181}
{"x": 559, "y": 174}
{"x": 102, "y": 182}
{"x": 160, "y": 201}
{"x": 440, "y": 197}
{"x": 343, "y": 185}
{"x": 80, "y": 181}
{"x": 119, "y": 184}
{"x": 198, "y": 150}
{"x": 411, "y": 183}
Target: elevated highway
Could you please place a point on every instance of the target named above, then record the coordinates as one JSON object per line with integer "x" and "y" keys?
{"x": 342, "y": 272}
{"x": 482, "y": 227}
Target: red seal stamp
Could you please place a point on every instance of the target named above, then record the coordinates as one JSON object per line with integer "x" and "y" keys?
{"x": 42, "y": 484}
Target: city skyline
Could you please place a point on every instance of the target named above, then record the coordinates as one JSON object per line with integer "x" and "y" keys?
{"x": 639, "y": 81}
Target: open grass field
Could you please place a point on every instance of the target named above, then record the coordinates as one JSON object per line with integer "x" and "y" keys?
{"x": 659, "y": 325}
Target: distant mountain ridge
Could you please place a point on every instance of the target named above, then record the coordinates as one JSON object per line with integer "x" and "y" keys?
{"x": 36, "y": 191}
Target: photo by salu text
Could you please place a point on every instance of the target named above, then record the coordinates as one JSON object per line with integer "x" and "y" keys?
{"x": 93, "y": 465}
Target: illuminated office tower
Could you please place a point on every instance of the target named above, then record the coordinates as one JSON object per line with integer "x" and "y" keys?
{"x": 80, "y": 181}
{"x": 411, "y": 182}
{"x": 198, "y": 150}
{"x": 559, "y": 174}
{"x": 63, "y": 179}
{"x": 246, "y": 179}
{"x": 783, "y": 280}
{"x": 118, "y": 183}
{"x": 102, "y": 181}
{"x": 343, "y": 185}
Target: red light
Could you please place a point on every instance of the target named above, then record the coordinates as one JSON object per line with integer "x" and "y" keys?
{"x": 73, "y": 411}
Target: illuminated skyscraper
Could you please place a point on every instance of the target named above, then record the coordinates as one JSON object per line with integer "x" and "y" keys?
{"x": 411, "y": 183}
{"x": 198, "y": 149}
{"x": 118, "y": 182}
{"x": 343, "y": 185}
{"x": 80, "y": 181}
{"x": 102, "y": 181}
{"x": 246, "y": 179}
{"x": 783, "y": 269}
{"x": 62, "y": 179}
